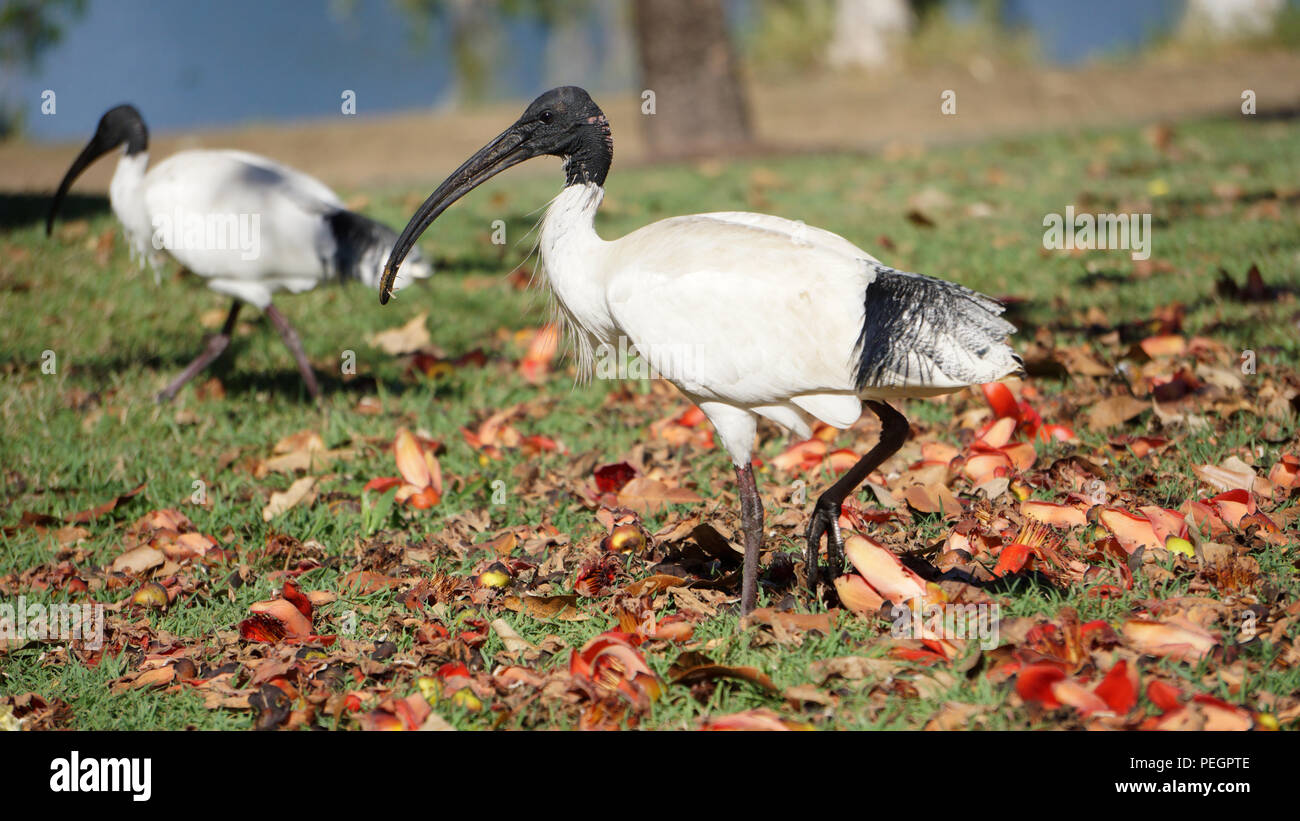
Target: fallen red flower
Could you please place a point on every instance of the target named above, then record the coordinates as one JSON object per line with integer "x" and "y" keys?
{"x": 612, "y": 478}
{"x": 608, "y": 666}
{"x": 1118, "y": 689}
{"x": 1001, "y": 400}
{"x": 1165, "y": 696}
{"x": 294, "y": 595}
{"x": 760, "y": 719}
{"x": 382, "y": 484}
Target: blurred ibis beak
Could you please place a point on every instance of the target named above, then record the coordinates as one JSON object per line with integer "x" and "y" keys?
{"x": 95, "y": 149}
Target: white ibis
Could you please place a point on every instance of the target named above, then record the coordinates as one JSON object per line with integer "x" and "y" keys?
{"x": 748, "y": 315}
{"x": 248, "y": 225}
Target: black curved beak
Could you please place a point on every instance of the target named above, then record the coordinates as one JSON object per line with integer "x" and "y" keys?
{"x": 95, "y": 149}
{"x": 508, "y": 149}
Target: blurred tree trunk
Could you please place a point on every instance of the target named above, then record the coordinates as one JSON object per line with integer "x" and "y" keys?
{"x": 687, "y": 60}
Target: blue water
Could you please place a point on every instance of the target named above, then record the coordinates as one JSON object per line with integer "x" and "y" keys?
{"x": 195, "y": 63}
{"x": 1070, "y": 32}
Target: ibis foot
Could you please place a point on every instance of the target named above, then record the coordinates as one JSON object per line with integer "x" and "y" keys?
{"x": 826, "y": 513}
{"x": 825, "y": 521}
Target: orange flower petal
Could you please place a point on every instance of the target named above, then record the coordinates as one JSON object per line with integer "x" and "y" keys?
{"x": 274, "y": 620}
{"x": 425, "y": 499}
{"x": 382, "y": 484}
{"x": 1233, "y": 505}
{"x": 801, "y": 456}
{"x": 410, "y": 459}
{"x": 1163, "y": 345}
{"x": 1054, "y": 514}
{"x": 1119, "y": 689}
{"x": 1175, "y": 638}
{"x": 1129, "y": 530}
{"x": 1165, "y": 523}
{"x": 999, "y": 433}
{"x": 984, "y": 466}
{"x": 1001, "y": 400}
{"x": 841, "y": 460}
{"x": 1165, "y": 696}
{"x": 294, "y": 595}
{"x": 1012, "y": 559}
{"x": 1059, "y": 433}
{"x": 435, "y": 471}
{"x": 938, "y": 452}
{"x": 883, "y": 571}
{"x": 1205, "y": 517}
{"x": 1021, "y": 454}
{"x": 1073, "y": 694}
{"x": 1035, "y": 682}
{"x": 1285, "y": 473}
{"x": 760, "y": 719}
{"x": 858, "y": 596}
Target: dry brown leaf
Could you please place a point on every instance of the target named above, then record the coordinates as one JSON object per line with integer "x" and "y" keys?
{"x": 139, "y": 560}
{"x": 1114, "y": 411}
{"x": 514, "y": 643}
{"x": 853, "y": 668}
{"x": 649, "y": 496}
{"x": 436, "y": 723}
{"x": 560, "y": 608}
{"x": 407, "y": 338}
{"x": 1231, "y": 474}
{"x": 954, "y": 715}
{"x": 933, "y": 498}
{"x": 297, "y": 493}
{"x": 795, "y": 622}
{"x": 711, "y": 672}
{"x": 107, "y": 507}
{"x": 801, "y": 694}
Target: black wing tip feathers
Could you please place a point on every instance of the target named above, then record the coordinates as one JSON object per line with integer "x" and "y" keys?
{"x": 908, "y": 313}
{"x": 361, "y": 244}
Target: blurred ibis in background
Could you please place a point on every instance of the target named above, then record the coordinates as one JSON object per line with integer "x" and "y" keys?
{"x": 248, "y": 225}
{"x": 748, "y": 315}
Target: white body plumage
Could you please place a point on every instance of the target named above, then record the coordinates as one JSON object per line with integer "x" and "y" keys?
{"x": 753, "y": 315}
{"x": 250, "y": 226}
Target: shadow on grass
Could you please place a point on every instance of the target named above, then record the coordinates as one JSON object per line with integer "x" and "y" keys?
{"x": 24, "y": 210}
{"x": 238, "y": 379}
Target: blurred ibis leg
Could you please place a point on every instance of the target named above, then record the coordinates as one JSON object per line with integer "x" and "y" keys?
{"x": 214, "y": 348}
{"x": 291, "y": 341}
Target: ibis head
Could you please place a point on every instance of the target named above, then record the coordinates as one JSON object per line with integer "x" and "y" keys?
{"x": 120, "y": 125}
{"x": 564, "y": 122}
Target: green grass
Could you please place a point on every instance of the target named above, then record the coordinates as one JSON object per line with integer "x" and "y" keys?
{"x": 73, "y": 439}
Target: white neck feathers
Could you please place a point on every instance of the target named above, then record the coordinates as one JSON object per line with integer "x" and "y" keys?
{"x": 126, "y": 196}
{"x": 574, "y": 257}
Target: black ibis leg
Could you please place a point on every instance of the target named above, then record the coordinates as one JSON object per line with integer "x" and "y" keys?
{"x": 291, "y": 341}
{"x": 214, "y": 348}
{"x": 751, "y": 521}
{"x": 826, "y": 513}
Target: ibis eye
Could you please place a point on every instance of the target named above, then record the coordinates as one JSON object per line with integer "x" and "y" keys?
{"x": 545, "y": 116}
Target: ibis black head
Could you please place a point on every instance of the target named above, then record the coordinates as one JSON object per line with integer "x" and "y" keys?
{"x": 120, "y": 125}
{"x": 564, "y": 122}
